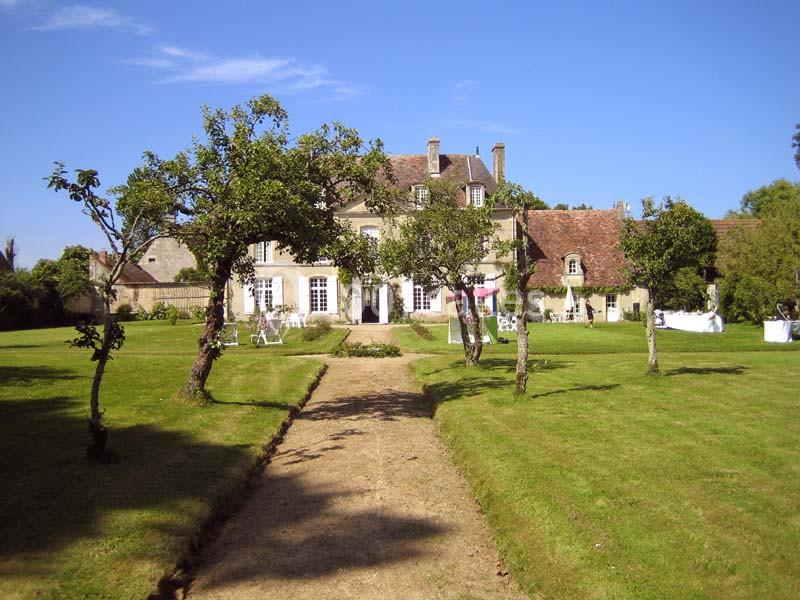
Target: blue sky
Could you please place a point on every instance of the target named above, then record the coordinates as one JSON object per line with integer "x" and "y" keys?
{"x": 595, "y": 101}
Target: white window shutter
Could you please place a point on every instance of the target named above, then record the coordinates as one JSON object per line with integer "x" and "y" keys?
{"x": 408, "y": 295}
{"x": 436, "y": 301}
{"x": 277, "y": 291}
{"x": 303, "y": 303}
{"x": 249, "y": 300}
{"x": 333, "y": 292}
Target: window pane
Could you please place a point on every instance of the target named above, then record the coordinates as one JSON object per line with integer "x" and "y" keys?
{"x": 319, "y": 294}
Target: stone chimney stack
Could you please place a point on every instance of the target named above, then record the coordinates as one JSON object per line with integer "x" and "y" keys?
{"x": 499, "y": 162}
{"x": 433, "y": 157}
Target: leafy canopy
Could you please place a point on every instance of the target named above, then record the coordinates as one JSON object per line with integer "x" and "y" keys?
{"x": 443, "y": 241}
{"x": 671, "y": 236}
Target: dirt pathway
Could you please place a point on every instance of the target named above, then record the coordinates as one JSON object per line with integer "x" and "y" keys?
{"x": 360, "y": 501}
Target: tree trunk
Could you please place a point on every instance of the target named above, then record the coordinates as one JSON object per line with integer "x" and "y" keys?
{"x": 473, "y": 350}
{"x": 522, "y": 345}
{"x": 97, "y": 432}
{"x": 208, "y": 349}
{"x": 652, "y": 352}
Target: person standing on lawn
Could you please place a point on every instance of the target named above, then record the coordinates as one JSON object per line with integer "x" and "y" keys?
{"x": 589, "y": 315}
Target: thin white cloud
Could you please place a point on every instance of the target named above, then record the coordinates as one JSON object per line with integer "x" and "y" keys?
{"x": 281, "y": 75}
{"x": 79, "y": 16}
{"x": 464, "y": 89}
{"x": 466, "y": 84}
{"x": 8, "y": 4}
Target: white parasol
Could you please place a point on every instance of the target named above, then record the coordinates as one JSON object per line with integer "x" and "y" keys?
{"x": 569, "y": 301}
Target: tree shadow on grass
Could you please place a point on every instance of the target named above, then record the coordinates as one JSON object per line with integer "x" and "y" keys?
{"x": 52, "y": 497}
{"x": 737, "y": 370}
{"x": 39, "y": 374}
{"x": 580, "y": 388}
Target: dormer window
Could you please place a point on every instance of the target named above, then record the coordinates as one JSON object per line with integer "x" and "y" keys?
{"x": 572, "y": 266}
{"x": 264, "y": 252}
{"x": 476, "y": 194}
{"x": 420, "y": 195}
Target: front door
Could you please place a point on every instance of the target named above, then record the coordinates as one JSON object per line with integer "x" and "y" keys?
{"x": 371, "y": 300}
{"x": 612, "y": 311}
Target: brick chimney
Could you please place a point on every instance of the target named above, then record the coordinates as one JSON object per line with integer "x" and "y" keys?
{"x": 433, "y": 157}
{"x": 499, "y": 162}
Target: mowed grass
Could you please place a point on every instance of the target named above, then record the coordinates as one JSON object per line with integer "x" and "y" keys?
{"x": 73, "y": 530}
{"x": 603, "y": 482}
{"x": 604, "y": 338}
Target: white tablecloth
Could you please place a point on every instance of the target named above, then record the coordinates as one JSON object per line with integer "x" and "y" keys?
{"x": 778, "y": 331}
{"x": 703, "y": 322}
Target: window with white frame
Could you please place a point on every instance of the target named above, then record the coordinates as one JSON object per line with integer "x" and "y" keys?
{"x": 478, "y": 281}
{"x": 263, "y": 293}
{"x": 476, "y": 195}
{"x": 264, "y": 252}
{"x": 370, "y": 231}
{"x": 572, "y": 266}
{"x": 319, "y": 294}
{"x": 422, "y": 300}
{"x": 420, "y": 196}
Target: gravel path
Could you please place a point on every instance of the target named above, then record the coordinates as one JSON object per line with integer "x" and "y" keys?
{"x": 360, "y": 501}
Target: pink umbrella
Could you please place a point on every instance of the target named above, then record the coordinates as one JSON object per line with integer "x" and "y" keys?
{"x": 479, "y": 293}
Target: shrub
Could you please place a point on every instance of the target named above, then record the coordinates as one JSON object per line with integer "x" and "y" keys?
{"x": 124, "y": 312}
{"x": 172, "y": 315}
{"x": 547, "y": 313}
{"x": 629, "y": 315}
{"x": 159, "y": 311}
{"x": 141, "y": 314}
{"x": 421, "y": 330}
{"x": 197, "y": 313}
{"x": 397, "y": 314}
{"x": 371, "y": 350}
{"x": 316, "y": 331}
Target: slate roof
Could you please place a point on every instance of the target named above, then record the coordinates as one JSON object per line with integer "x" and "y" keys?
{"x": 412, "y": 169}
{"x": 592, "y": 234}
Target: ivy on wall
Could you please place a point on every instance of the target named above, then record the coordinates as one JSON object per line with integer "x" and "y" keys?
{"x": 586, "y": 290}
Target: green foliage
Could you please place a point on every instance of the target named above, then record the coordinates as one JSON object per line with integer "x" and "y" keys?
{"x": 124, "y": 312}
{"x": 438, "y": 244}
{"x": 561, "y": 206}
{"x": 190, "y": 274}
{"x": 91, "y": 338}
{"x": 582, "y": 206}
{"x": 73, "y": 276}
{"x": 686, "y": 291}
{"x": 172, "y": 315}
{"x": 586, "y": 290}
{"x": 670, "y": 237}
{"x": 766, "y": 200}
{"x": 142, "y": 314}
{"x": 398, "y": 312}
{"x": 421, "y": 330}
{"x": 197, "y": 313}
{"x": 759, "y": 266}
{"x": 316, "y": 331}
{"x": 159, "y": 311}
{"x": 629, "y": 315}
{"x": 371, "y": 350}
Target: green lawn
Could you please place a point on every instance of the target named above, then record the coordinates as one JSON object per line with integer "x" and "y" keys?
{"x": 71, "y": 530}
{"x": 625, "y": 337}
{"x": 606, "y": 483}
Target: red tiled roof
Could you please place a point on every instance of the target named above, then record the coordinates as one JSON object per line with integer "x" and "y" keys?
{"x": 592, "y": 234}
{"x": 723, "y": 226}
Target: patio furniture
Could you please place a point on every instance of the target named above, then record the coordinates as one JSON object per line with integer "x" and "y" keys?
{"x": 295, "y": 320}
{"x": 506, "y": 322}
{"x": 229, "y": 334}
{"x": 269, "y": 333}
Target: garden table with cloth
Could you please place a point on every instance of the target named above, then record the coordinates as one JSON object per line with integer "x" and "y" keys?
{"x": 778, "y": 331}
{"x": 707, "y": 322}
